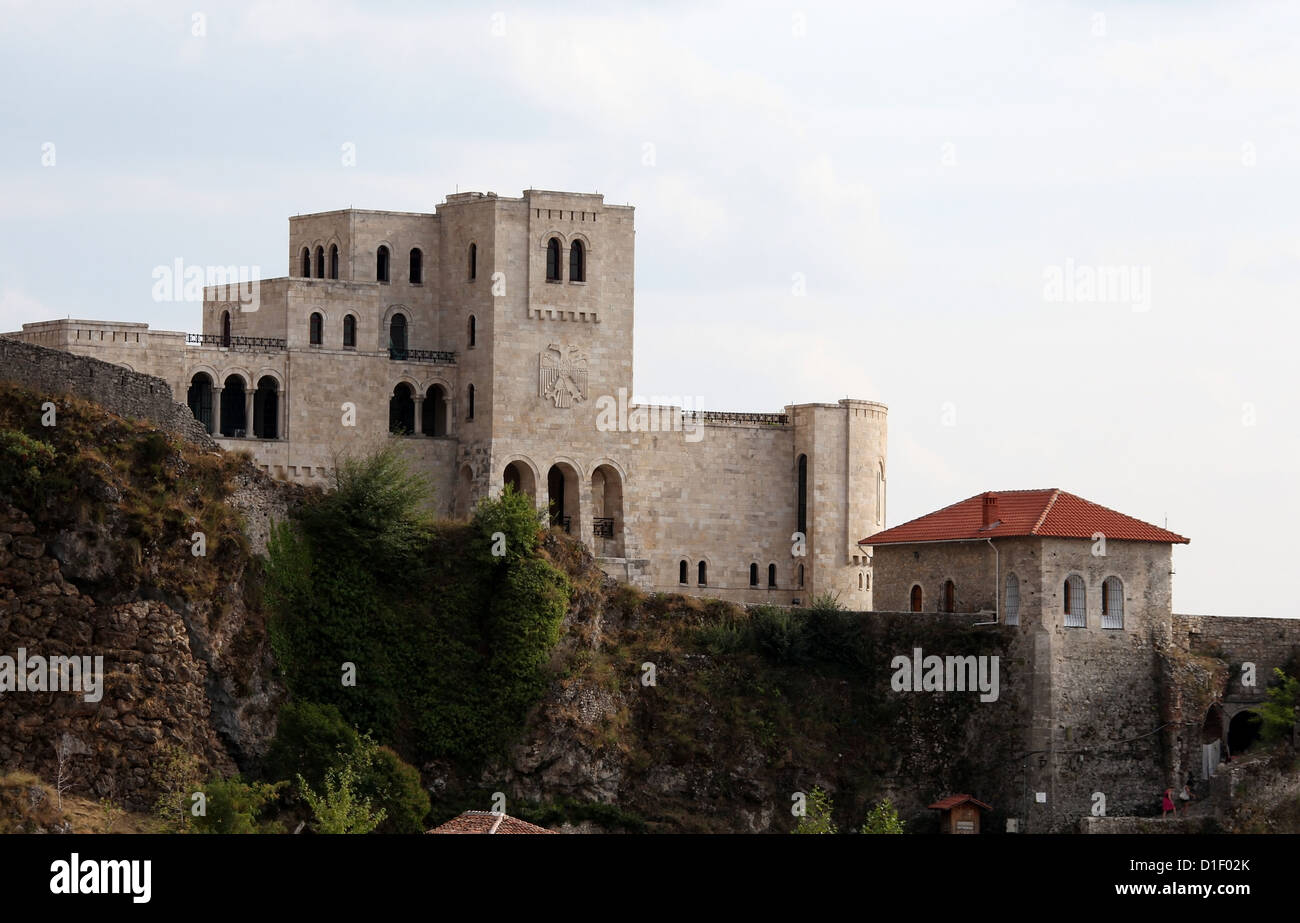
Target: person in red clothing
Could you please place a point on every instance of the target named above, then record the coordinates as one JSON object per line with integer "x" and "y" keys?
{"x": 1167, "y": 805}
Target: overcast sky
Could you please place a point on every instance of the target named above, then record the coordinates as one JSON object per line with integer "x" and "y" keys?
{"x": 940, "y": 181}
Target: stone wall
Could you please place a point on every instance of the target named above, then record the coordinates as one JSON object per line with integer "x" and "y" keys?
{"x": 123, "y": 392}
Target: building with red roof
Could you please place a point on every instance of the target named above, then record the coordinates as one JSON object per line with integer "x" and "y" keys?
{"x": 1026, "y": 558}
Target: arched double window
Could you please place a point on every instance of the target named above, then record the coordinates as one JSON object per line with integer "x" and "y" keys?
{"x": 577, "y": 262}
{"x": 320, "y": 262}
{"x": 334, "y": 261}
{"x": 417, "y": 266}
{"x": 306, "y": 263}
{"x": 753, "y": 575}
{"x": 316, "y": 327}
{"x": 349, "y": 332}
{"x": 916, "y": 598}
{"x": 1075, "y": 602}
{"x": 1011, "y": 604}
{"x": 1112, "y": 603}
{"x": 553, "y": 260}
{"x": 381, "y": 265}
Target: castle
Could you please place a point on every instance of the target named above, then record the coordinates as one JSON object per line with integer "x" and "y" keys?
{"x": 493, "y": 337}
{"x": 493, "y": 340}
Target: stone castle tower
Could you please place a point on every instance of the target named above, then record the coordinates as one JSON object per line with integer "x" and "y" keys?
{"x": 494, "y": 337}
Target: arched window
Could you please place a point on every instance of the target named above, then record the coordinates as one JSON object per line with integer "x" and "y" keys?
{"x": 401, "y": 410}
{"x": 381, "y": 265}
{"x": 469, "y": 392}
{"x": 802, "y": 498}
{"x": 334, "y": 261}
{"x": 771, "y": 575}
{"x": 801, "y": 576}
{"x": 1112, "y": 603}
{"x": 1076, "y": 605}
{"x": 320, "y": 262}
{"x": 949, "y": 596}
{"x": 859, "y": 581}
{"x": 417, "y": 266}
{"x": 1011, "y": 605}
{"x": 916, "y": 598}
{"x": 397, "y": 337}
{"x": 553, "y": 260}
{"x": 473, "y": 262}
{"x": 703, "y": 574}
{"x": 473, "y": 331}
{"x": 349, "y": 332}
{"x": 682, "y": 569}
{"x": 306, "y": 263}
{"x": 225, "y": 328}
{"x": 753, "y": 575}
{"x": 317, "y": 323}
{"x": 577, "y": 262}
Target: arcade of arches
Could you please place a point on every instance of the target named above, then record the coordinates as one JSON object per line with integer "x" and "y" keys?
{"x": 228, "y": 410}
{"x": 565, "y": 501}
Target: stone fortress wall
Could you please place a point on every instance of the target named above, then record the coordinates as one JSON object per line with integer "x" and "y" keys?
{"x": 488, "y": 310}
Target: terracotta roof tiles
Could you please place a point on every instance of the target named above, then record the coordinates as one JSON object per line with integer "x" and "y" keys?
{"x": 1045, "y": 513}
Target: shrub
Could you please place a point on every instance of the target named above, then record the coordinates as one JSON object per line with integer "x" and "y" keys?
{"x": 817, "y": 818}
{"x": 309, "y": 740}
{"x": 883, "y": 818}
{"x": 233, "y": 806}
{"x": 340, "y": 808}
{"x": 24, "y": 462}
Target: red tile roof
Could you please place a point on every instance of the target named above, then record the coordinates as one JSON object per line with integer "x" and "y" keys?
{"x": 952, "y": 801}
{"x": 487, "y": 822}
{"x": 1049, "y": 513}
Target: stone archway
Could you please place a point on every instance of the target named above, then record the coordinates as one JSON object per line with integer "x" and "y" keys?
{"x": 199, "y": 399}
{"x": 266, "y": 408}
{"x": 234, "y": 410}
{"x": 563, "y": 498}
{"x": 520, "y": 476}
{"x": 607, "y": 512}
{"x": 1243, "y": 731}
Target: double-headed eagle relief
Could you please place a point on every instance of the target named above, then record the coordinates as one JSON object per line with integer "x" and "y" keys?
{"x": 563, "y": 377}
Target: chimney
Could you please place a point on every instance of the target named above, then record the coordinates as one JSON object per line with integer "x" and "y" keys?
{"x": 990, "y": 509}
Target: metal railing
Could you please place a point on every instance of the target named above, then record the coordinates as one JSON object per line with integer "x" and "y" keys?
{"x": 444, "y": 356}
{"x": 717, "y": 416}
{"x": 232, "y": 342}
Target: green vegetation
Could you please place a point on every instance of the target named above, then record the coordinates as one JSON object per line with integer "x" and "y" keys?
{"x": 883, "y": 819}
{"x": 176, "y": 776}
{"x": 817, "y": 816}
{"x": 450, "y": 640}
{"x": 25, "y": 463}
{"x": 340, "y": 808}
{"x": 235, "y": 806}
{"x": 1277, "y": 716}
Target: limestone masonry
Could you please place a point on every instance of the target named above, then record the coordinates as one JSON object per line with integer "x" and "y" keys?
{"x": 494, "y": 338}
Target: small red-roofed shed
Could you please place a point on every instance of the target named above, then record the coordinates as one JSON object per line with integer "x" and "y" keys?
{"x": 960, "y": 813}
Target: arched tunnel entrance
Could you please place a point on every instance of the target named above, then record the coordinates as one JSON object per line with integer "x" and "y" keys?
{"x": 1243, "y": 731}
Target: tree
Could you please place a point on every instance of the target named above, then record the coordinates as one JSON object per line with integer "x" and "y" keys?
{"x": 339, "y": 808}
{"x": 177, "y": 777}
{"x": 1278, "y": 715}
{"x": 818, "y": 816}
{"x": 883, "y": 818}
{"x": 66, "y": 748}
{"x": 233, "y": 806}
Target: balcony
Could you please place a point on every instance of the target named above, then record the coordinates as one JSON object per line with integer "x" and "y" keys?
{"x": 439, "y": 356}
{"x": 265, "y": 344}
